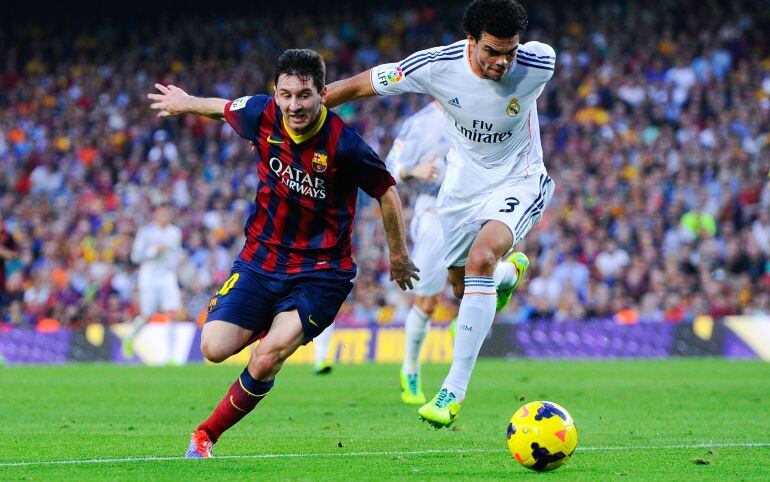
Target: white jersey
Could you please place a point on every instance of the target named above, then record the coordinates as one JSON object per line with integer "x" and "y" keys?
{"x": 493, "y": 124}
{"x": 157, "y": 250}
{"x": 422, "y": 136}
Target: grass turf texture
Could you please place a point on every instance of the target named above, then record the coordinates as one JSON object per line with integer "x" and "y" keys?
{"x": 81, "y": 412}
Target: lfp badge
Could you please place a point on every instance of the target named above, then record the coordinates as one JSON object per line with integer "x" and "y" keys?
{"x": 395, "y": 75}
{"x": 319, "y": 162}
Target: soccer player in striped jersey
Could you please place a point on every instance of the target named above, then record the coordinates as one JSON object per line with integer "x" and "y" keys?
{"x": 296, "y": 267}
{"x": 496, "y": 185}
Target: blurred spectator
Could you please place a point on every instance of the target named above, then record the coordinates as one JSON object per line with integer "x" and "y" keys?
{"x": 545, "y": 286}
{"x": 761, "y": 231}
{"x": 571, "y": 274}
{"x": 698, "y": 223}
{"x": 8, "y": 252}
{"x": 611, "y": 261}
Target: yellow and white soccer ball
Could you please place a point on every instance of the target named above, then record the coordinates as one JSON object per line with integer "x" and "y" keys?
{"x": 542, "y": 436}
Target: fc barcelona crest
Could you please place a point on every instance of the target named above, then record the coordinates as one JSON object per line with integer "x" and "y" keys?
{"x": 513, "y": 107}
{"x": 319, "y": 162}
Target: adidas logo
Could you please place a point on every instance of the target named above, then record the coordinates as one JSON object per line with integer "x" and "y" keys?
{"x": 455, "y": 102}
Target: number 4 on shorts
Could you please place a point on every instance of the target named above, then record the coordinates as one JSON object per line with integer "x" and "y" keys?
{"x": 229, "y": 284}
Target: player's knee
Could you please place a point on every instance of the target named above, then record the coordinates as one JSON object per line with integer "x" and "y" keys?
{"x": 481, "y": 262}
{"x": 212, "y": 352}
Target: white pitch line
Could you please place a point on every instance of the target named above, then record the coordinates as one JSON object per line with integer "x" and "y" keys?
{"x": 371, "y": 454}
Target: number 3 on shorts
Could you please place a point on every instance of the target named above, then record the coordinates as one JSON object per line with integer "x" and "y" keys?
{"x": 229, "y": 284}
{"x": 512, "y": 202}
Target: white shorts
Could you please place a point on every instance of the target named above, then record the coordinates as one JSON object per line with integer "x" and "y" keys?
{"x": 159, "y": 297}
{"x": 519, "y": 205}
{"x": 428, "y": 247}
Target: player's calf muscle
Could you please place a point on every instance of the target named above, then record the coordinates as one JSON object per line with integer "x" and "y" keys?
{"x": 265, "y": 363}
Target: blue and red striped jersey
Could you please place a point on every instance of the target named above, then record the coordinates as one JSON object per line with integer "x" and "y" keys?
{"x": 306, "y": 196}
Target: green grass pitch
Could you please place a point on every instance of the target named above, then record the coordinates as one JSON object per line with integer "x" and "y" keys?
{"x": 637, "y": 420}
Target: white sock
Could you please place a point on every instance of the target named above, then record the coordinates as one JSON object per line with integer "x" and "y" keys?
{"x": 505, "y": 274}
{"x": 477, "y": 311}
{"x": 415, "y": 329}
{"x": 321, "y": 345}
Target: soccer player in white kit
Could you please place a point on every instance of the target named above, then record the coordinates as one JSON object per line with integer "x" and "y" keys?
{"x": 157, "y": 249}
{"x": 418, "y": 156}
{"x": 496, "y": 185}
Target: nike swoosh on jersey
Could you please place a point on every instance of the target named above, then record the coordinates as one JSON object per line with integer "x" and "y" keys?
{"x": 274, "y": 141}
{"x": 310, "y": 319}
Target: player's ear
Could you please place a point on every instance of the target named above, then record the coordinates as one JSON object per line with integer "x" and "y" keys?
{"x": 323, "y": 94}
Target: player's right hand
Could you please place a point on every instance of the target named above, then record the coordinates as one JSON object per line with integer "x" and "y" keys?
{"x": 403, "y": 271}
{"x": 171, "y": 101}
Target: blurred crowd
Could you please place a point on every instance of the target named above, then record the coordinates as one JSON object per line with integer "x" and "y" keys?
{"x": 655, "y": 128}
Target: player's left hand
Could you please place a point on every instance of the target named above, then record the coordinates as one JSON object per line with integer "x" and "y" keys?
{"x": 426, "y": 170}
{"x": 171, "y": 101}
{"x": 402, "y": 271}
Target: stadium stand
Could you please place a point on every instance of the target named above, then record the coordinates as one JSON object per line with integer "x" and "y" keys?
{"x": 657, "y": 137}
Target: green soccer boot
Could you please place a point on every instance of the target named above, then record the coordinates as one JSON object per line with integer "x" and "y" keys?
{"x": 411, "y": 389}
{"x": 442, "y": 411}
{"x": 521, "y": 262}
{"x": 323, "y": 368}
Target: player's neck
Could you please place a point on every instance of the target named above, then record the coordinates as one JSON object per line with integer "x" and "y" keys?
{"x": 310, "y": 132}
{"x": 474, "y": 68}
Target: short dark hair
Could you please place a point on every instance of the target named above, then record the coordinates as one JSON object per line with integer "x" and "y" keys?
{"x": 304, "y": 63}
{"x": 501, "y": 18}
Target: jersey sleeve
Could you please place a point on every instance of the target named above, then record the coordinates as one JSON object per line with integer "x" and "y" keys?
{"x": 243, "y": 113}
{"x": 364, "y": 165}
{"x": 409, "y": 75}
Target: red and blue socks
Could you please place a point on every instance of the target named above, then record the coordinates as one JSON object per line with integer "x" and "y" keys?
{"x": 241, "y": 399}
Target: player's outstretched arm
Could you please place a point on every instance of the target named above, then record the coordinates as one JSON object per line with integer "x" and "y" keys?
{"x": 174, "y": 101}
{"x": 349, "y": 89}
{"x": 402, "y": 270}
